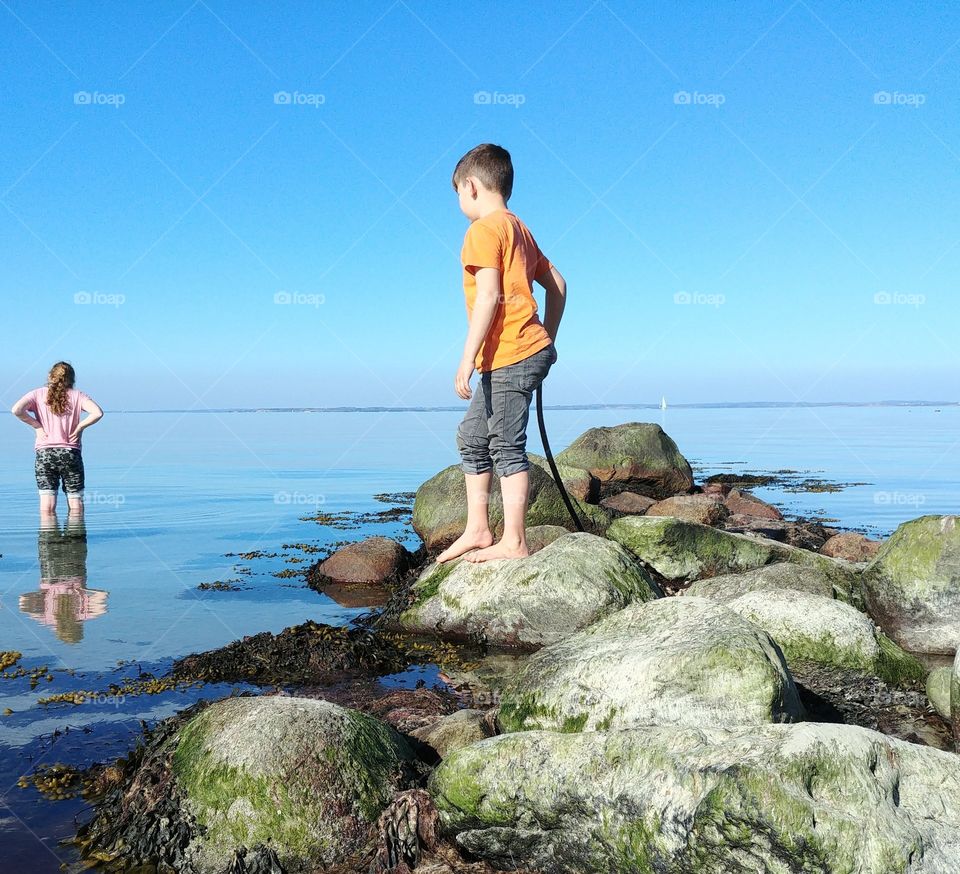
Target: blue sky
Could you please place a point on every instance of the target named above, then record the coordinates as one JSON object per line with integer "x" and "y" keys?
{"x": 750, "y": 202}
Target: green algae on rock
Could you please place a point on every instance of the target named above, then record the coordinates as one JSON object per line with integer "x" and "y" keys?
{"x": 913, "y": 585}
{"x": 305, "y": 776}
{"x": 679, "y": 661}
{"x": 440, "y": 507}
{"x": 824, "y": 630}
{"x": 638, "y": 454}
{"x": 674, "y": 800}
{"x": 681, "y": 550}
{"x": 528, "y": 602}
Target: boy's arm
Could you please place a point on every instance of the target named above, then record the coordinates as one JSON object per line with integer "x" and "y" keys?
{"x": 484, "y": 309}
{"x": 556, "y": 288}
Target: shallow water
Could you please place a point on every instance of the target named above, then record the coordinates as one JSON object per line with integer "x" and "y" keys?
{"x": 171, "y": 495}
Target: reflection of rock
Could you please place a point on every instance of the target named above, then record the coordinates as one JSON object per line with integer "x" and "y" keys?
{"x": 355, "y": 594}
{"x": 64, "y": 602}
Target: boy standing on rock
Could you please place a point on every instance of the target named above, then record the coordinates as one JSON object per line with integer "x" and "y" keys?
{"x": 506, "y": 343}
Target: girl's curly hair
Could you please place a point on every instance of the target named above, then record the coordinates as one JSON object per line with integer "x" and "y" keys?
{"x": 59, "y": 381}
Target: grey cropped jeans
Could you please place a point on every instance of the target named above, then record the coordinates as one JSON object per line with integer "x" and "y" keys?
{"x": 493, "y": 432}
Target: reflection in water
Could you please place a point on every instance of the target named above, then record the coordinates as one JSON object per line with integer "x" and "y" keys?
{"x": 64, "y": 601}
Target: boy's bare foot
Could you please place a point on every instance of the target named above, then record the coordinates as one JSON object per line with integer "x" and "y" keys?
{"x": 499, "y": 550}
{"x": 464, "y": 543}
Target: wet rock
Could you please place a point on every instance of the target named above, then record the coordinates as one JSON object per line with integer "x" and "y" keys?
{"x": 452, "y": 732}
{"x": 850, "y": 546}
{"x": 821, "y": 629}
{"x": 440, "y": 507}
{"x": 845, "y": 695}
{"x": 747, "y": 505}
{"x": 678, "y": 661}
{"x": 716, "y": 488}
{"x": 627, "y": 504}
{"x": 913, "y": 585}
{"x": 773, "y": 529}
{"x": 705, "y": 509}
{"x": 532, "y": 601}
{"x": 807, "y": 535}
{"x": 802, "y": 797}
{"x": 637, "y": 454}
{"x": 373, "y": 560}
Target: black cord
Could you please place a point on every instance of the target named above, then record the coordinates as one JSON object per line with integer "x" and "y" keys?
{"x": 553, "y": 466}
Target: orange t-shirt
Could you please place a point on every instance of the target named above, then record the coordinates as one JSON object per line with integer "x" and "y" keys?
{"x": 501, "y": 240}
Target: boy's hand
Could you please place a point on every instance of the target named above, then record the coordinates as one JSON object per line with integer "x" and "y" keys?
{"x": 461, "y": 381}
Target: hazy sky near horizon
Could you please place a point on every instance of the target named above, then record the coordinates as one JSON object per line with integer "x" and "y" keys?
{"x": 209, "y": 204}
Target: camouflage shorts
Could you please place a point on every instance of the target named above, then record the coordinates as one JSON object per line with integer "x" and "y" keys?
{"x": 59, "y": 463}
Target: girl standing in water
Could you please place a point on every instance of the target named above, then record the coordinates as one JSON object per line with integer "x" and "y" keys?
{"x": 54, "y": 413}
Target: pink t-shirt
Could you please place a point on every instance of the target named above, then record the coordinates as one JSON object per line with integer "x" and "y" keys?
{"x": 57, "y": 428}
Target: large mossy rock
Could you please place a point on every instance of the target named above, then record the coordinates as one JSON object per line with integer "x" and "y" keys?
{"x": 683, "y": 661}
{"x": 305, "y": 776}
{"x": 638, "y": 454}
{"x": 811, "y": 627}
{"x": 913, "y": 584}
{"x": 831, "y": 799}
{"x": 579, "y": 483}
{"x": 529, "y": 602}
{"x": 766, "y": 578}
{"x": 681, "y": 550}
{"x": 440, "y": 507}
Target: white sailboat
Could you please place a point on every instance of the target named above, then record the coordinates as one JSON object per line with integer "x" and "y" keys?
{"x": 663, "y": 402}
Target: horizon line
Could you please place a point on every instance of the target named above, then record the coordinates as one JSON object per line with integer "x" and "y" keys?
{"x": 622, "y": 406}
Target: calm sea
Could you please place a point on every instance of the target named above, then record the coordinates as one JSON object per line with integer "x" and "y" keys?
{"x": 175, "y": 500}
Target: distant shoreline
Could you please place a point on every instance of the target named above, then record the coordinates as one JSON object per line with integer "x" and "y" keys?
{"x": 722, "y": 405}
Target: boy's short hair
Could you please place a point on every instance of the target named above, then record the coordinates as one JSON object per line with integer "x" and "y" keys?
{"x": 491, "y": 165}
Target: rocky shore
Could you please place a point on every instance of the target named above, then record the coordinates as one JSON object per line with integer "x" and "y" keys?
{"x": 694, "y": 684}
